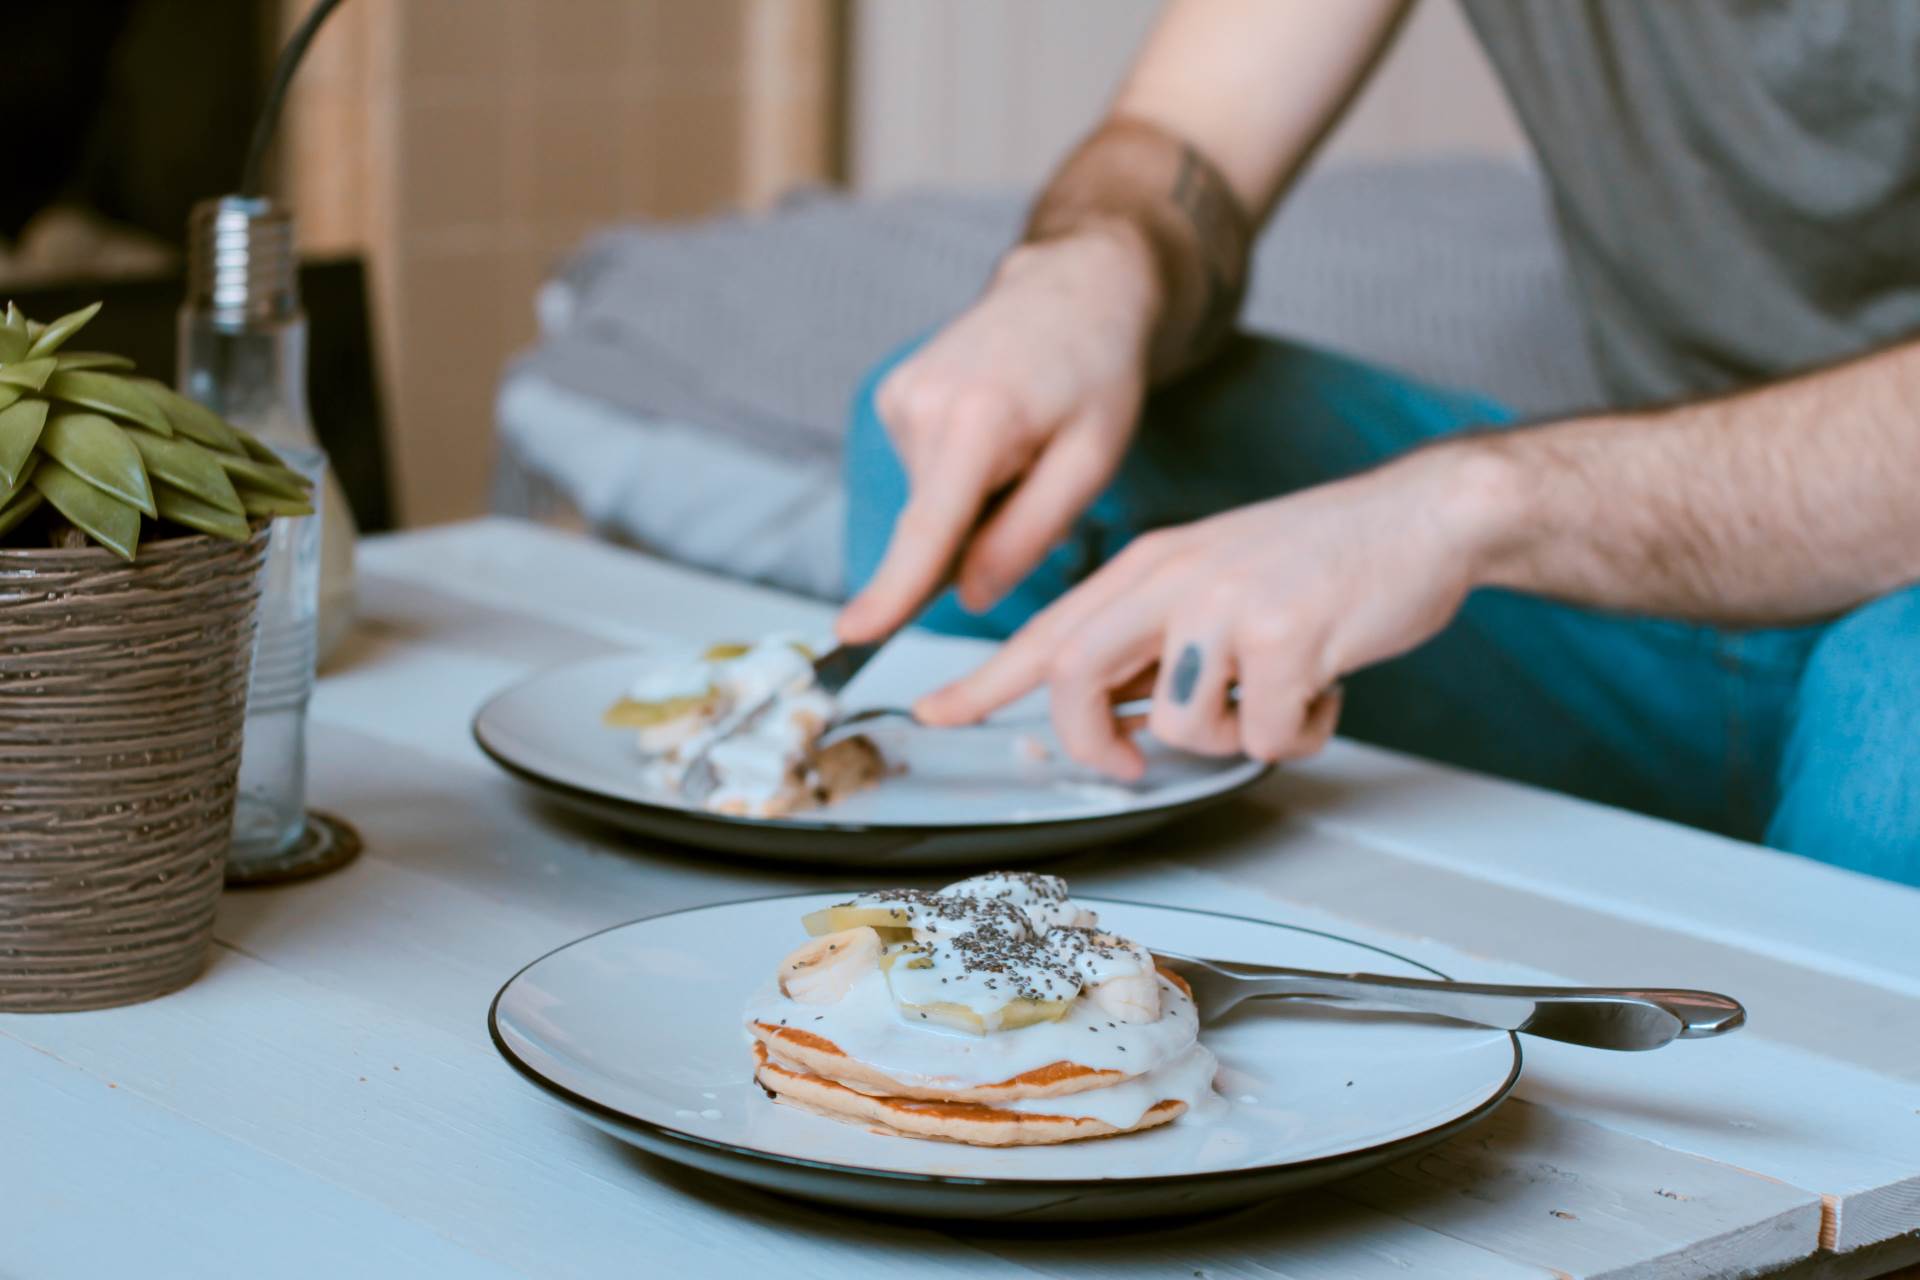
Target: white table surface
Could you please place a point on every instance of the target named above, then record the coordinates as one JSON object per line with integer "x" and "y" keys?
{"x": 325, "y": 1101}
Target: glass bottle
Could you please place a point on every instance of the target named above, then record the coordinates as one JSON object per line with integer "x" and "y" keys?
{"x": 243, "y": 353}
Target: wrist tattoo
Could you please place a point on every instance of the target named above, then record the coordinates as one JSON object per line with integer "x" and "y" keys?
{"x": 1192, "y": 222}
{"x": 1202, "y": 195}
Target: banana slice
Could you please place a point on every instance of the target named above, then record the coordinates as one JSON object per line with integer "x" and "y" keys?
{"x": 631, "y": 713}
{"x": 1132, "y": 998}
{"x": 1008, "y": 1017}
{"x": 824, "y": 969}
{"x": 892, "y": 923}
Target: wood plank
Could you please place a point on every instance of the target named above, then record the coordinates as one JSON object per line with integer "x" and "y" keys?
{"x": 1863, "y": 1023}
{"x": 1312, "y": 1236}
{"x": 81, "y": 1150}
{"x": 1855, "y": 927}
{"x": 1530, "y": 1184}
{"x": 594, "y": 587}
{"x": 1850, "y": 1135}
{"x": 436, "y": 1129}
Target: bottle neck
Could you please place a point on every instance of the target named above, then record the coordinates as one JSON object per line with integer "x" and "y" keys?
{"x": 243, "y": 336}
{"x": 255, "y": 378}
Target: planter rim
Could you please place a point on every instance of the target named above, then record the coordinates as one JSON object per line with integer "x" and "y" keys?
{"x": 157, "y": 548}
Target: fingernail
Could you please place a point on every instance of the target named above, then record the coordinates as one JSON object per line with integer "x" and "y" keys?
{"x": 1186, "y": 673}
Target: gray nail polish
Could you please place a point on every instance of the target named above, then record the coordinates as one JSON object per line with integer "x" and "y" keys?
{"x": 1186, "y": 673}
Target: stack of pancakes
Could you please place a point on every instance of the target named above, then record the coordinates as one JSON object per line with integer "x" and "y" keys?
{"x": 811, "y": 1072}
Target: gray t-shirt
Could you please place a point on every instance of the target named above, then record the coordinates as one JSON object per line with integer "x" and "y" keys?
{"x": 1737, "y": 182}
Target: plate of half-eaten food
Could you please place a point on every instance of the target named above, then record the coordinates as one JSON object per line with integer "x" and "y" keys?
{"x": 992, "y": 1049}
{"x": 613, "y": 736}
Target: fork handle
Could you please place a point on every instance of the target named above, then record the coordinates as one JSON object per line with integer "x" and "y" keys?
{"x": 1598, "y": 1017}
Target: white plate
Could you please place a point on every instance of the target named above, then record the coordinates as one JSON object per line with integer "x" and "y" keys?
{"x": 639, "y": 1029}
{"x": 965, "y": 795}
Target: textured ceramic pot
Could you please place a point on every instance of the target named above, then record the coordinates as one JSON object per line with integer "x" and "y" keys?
{"x": 123, "y": 692}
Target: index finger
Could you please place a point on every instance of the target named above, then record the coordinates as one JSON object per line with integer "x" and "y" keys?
{"x": 1020, "y": 665}
{"x": 926, "y": 540}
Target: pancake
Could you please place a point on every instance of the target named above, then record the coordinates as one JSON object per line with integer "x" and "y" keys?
{"x": 972, "y": 1123}
{"x": 818, "y": 1056}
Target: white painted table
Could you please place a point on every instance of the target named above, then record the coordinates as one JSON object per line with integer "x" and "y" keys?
{"x": 325, "y": 1102}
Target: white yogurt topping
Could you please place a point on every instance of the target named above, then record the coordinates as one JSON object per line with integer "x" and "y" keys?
{"x": 867, "y": 1026}
{"x": 993, "y": 939}
{"x": 1187, "y": 1077}
{"x": 690, "y": 676}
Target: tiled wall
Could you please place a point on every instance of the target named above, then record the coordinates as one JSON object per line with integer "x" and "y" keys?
{"x": 464, "y": 144}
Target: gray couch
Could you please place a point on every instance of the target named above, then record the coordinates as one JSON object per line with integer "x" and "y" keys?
{"x": 690, "y": 387}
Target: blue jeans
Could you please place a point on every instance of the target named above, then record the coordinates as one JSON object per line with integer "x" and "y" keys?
{"x": 1803, "y": 737}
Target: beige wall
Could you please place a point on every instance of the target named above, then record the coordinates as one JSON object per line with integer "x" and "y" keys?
{"x": 464, "y": 144}
{"x": 993, "y": 91}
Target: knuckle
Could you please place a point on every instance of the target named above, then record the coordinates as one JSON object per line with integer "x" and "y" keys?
{"x": 1269, "y": 631}
{"x": 981, "y": 408}
{"x": 919, "y": 520}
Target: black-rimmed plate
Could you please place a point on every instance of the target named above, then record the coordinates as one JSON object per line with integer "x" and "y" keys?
{"x": 963, "y": 796}
{"x": 639, "y": 1030}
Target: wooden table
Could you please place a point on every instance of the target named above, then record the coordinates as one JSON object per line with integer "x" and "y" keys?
{"x": 325, "y": 1102}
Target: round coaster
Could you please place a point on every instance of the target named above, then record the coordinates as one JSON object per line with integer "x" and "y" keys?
{"x": 327, "y": 844}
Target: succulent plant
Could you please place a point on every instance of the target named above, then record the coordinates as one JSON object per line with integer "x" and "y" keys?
{"x": 105, "y": 449}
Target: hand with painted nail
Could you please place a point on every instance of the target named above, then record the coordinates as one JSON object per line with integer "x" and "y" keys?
{"x": 1027, "y": 402}
{"x": 1283, "y": 598}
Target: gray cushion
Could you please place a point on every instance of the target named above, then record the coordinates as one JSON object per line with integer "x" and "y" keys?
{"x": 691, "y": 385}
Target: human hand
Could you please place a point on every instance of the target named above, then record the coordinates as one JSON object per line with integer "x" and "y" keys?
{"x": 1031, "y": 395}
{"x": 1285, "y": 597}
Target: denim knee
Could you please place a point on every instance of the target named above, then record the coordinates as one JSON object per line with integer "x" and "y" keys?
{"x": 876, "y": 483}
{"x": 1850, "y": 774}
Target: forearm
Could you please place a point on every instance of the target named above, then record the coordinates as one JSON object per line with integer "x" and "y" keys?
{"x": 1784, "y": 504}
{"x": 1224, "y": 106}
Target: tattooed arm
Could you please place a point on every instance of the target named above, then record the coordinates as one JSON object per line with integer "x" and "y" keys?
{"x": 1225, "y": 105}
{"x": 1130, "y": 272}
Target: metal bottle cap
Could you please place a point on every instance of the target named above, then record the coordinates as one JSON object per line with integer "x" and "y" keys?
{"x": 241, "y": 263}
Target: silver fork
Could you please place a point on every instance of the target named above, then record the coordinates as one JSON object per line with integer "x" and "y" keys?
{"x": 1597, "y": 1017}
{"x": 841, "y": 725}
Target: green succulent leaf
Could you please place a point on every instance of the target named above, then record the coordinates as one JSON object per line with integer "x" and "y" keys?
{"x": 191, "y": 418}
{"x": 97, "y": 449}
{"x": 266, "y": 476}
{"x": 261, "y": 503}
{"x": 20, "y": 426}
{"x": 13, "y": 338}
{"x": 107, "y": 393}
{"x": 188, "y": 468}
{"x": 31, "y": 374}
{"x": 9, "y": 394}
{"x": 24, "y": 504}
{"x": 110, "y": 522}
{"x": 186, "y": 509}
{"x": 260, "y": 452}
{"x": 11, "y": 490}
{"x": 60, "y": 330}
{"x": 78, "y": 360}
